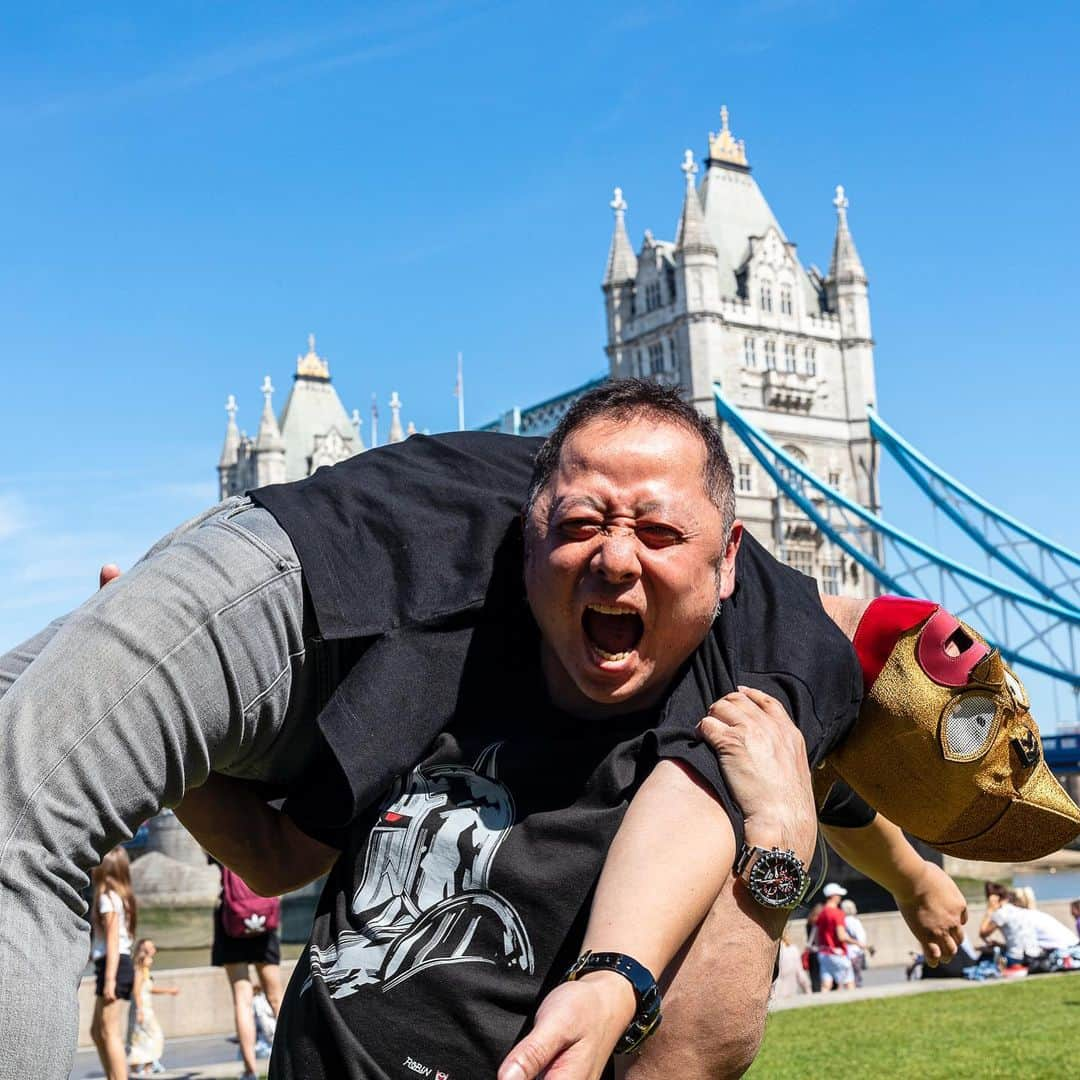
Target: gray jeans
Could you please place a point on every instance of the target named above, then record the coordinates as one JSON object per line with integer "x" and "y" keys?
{"x": 195, "y": 660}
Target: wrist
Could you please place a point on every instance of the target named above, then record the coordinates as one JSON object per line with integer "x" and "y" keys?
{"x": 617, "y": 998}
{"x": 908, "y": 885}
{"x": 777, "y": 830}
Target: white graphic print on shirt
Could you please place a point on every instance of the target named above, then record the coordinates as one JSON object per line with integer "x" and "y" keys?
{"x": 424, "y": 898}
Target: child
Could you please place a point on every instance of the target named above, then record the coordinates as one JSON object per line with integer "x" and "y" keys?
{"x": 146, "y": 1041}
{"x": 112, "y": 917}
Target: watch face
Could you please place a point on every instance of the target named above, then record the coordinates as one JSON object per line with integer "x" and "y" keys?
{"x": 777, "y": 879}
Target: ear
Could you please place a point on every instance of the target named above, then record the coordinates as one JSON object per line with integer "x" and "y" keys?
{"x": 727, "y": 566}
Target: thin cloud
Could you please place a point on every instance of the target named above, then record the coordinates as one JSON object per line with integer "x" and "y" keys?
{"x": 14, "y": 515}
{"x": 386, "y": 34}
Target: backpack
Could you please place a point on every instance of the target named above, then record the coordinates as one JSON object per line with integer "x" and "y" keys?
{"x": 243, "y": 912}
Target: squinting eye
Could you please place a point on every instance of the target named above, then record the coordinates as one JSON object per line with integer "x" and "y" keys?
{"x": 578, "y": 529}
{"x": 657, "y": 535}
{"x": 968, "y": 726}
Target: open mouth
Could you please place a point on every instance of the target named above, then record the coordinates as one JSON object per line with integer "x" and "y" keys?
{"x": 613, "y": 632}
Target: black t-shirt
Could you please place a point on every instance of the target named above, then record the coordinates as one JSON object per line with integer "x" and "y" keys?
{"x": 463, "y": 897}
{"x": 414, "y": 550}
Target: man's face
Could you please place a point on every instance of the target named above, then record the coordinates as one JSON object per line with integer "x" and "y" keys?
{"x": 626, "y": 561}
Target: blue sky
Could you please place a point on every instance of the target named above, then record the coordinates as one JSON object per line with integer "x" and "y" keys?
{"x": 188, "y": 189}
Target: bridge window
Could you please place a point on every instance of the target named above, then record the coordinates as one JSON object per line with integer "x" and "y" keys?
{"x": 656, "y": 358}
{"x": 652, "y": 296}
{"x": 789, "y": 356}
{"x": 801, "y": 559}
{"x": 834, "y": 479}
{"x": 748, "y": 352}
{"x": 766, "y": 296}
{"x": 830, "y": 579}
{"x": 770, "y": 355}
{"x": 786, "y": 306}
{"x": 811, "y": 360}
{"x": 745, "y": 483}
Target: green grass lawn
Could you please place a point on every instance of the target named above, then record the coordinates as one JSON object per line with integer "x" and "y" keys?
{"x": 1025, "y": 1029}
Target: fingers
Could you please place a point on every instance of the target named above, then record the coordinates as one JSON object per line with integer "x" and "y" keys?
{"x": 932, "y": 954}
{"x": 534, "y": 1053}
{"x": 109, "y": 572}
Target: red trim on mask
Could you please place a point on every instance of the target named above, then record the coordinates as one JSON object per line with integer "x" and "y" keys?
{"x": 936, "y": 662}
{"x": 880, "y": 627}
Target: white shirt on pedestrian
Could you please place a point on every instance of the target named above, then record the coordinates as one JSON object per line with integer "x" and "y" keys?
{"x": 108, "y": 902}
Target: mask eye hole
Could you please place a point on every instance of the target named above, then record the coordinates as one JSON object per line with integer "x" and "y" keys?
{"x": 968, "y": 726}
{"x": 1016, "y": 689}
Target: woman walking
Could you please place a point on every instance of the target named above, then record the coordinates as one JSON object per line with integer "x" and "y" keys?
{"x": 113, "y": 919}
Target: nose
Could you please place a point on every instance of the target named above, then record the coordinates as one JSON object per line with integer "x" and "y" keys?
{"x": 616, "y": 559}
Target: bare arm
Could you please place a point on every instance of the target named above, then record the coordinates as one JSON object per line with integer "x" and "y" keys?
{"x": 111, "y": 921}
{"x": 256, "y": 841}
{"x": 677, "y": 878}
{"x": 932, "y": 905}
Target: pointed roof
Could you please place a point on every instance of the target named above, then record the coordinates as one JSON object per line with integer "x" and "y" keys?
{"x": 846, "y": 266}
{"x": 313, "y": 408}
{"x": 269, "y": 437}
{"x": 230, "y": 450}
{"x": 693, "y": 234}
{"x": 736, "y": 210}
{"x": 621, "y": 261}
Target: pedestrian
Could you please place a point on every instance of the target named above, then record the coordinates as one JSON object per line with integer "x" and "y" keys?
{"x": 113, "y": 917}
{"x": 245, "y": 935}
{"x": 146, "y": 1040}
{"x": 832, "y": 942}
{"x": 1016, "y": 926}
{"x": 857, "y": 949}
{"x": 791, "y": 978}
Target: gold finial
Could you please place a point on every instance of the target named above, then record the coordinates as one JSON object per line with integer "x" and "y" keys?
{"x": 723, "y": 146}
{"x": 312, "y": 366}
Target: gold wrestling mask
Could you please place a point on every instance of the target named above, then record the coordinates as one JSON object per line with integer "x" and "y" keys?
{"x": 945, "y": 745}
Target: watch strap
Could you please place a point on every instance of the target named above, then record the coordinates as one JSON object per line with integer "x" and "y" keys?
{"x": 647, "y": 994}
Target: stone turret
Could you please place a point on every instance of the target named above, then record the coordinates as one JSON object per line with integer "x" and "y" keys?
{"x": 618, "y": 284}
{"x": 229, "y": 452}
{"x": 269, "y": 444}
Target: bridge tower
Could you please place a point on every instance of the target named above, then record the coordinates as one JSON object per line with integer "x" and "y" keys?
{"x": 729, "y": 301}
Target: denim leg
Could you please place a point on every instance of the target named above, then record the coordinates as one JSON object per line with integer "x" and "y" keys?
{"x": 185, "y": 664}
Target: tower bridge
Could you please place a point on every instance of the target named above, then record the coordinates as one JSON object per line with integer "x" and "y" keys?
{"x": 780, "y": 355}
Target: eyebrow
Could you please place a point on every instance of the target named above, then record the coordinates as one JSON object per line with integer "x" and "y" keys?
{"x": 570, "y": 502}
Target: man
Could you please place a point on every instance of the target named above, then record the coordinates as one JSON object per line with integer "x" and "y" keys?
{"x": 188, "y": 670}
{"x": 831, "y": 941}
{"x": 179, "y": 668}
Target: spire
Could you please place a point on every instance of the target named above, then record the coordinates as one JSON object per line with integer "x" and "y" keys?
{"x": 312, "y": 366}
{"x": 846, "y": 266}
{"x": 269, "y": 437}
{"x": 724, "y": 148}
{"x": 621, "y": 261}
{"x": 356, "y": 422}
{"x": 232, "y": 436}
{"x": 374, "y": 421}
{"x": 397, "y": 433}
{"x": 693, "y": 234}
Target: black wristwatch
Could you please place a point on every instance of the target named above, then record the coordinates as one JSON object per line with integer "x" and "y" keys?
{"x": 775, "y": 877}
{"x": 647, "y": 1019}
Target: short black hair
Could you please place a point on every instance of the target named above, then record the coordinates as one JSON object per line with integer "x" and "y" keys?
{"x": 627, "y": 399}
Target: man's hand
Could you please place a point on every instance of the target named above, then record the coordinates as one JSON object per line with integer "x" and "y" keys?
{"x": 763, "y": 755}
{"x": 576, "y": 1026}
{"x": 935, "y": 911}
